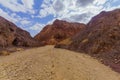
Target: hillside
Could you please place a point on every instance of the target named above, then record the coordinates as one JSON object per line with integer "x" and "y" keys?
{"x": 11, "y": 35}
{"x": 58, "y": 31}
{"x": 101, "y": 39}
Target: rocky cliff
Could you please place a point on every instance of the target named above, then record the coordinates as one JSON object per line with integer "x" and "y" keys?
{"x": 101, "y": 38}
{"x": 11, "y": 35}
{"x": 58, "y": 31}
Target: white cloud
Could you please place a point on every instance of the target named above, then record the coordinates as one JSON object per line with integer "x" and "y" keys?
{"x": 99, "y": 2}
{"x": 115, "y": 0}
{"x": 58, "y": 5}
{"x": 47, "y": 9}
{"x": 16, "y": 19}
{"x": 70, "y": 10}
{"x": 15, "y": 6}
{"x": 83, "y": 3}
{"x": 37, "y": 27}
{"x": 112, "y": 8}
{"x": 7, "y": 16}
{"x": 28, "y": 3}
{"x": 25, "y": 22}
{"x": 75, "y": 10}
{"x": 43, "y": 13}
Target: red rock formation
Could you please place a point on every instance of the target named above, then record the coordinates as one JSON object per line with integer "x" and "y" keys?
{"x": 10, "y": 35}
{"x": 101, "y": 38}
{"x": 58, "y": 31}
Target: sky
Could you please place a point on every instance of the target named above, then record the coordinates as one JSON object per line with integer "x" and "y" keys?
{"x": 33, "y": 15}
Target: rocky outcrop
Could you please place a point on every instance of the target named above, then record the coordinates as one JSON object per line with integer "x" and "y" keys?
{"x": 101, "y": 38}
{"x": 101, "y": 34}
{"x": 11, "y": 35}
{"x": 58, "y": 31}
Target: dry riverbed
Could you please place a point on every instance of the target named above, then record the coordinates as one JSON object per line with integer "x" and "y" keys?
{"x": 48, "y": 63}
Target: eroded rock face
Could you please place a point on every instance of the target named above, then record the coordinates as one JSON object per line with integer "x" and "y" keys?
{"x": 58, "y": 31}
{"x": 11, "y": 35}
{"x": 101, "y": 38}
{"x": 101, "y": 33}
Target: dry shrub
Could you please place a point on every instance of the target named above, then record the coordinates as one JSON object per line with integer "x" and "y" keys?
{"x": 19, "y": 49}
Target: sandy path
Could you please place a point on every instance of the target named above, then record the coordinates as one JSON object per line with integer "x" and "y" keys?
{"x": 48, "y": 63}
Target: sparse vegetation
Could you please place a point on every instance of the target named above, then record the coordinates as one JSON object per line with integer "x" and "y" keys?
{"x": 19, "y": 49}
{"x": 66, "y": 41}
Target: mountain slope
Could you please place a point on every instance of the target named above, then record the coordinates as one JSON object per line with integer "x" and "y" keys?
{"x": 48, "y": 63}
{"x": 58, "y": 31}
{"x": 11, "y": 35}
{"x": 101, "y": 38}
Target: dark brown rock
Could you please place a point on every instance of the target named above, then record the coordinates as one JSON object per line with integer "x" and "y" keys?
{"x": 11, "y": 35}
{"x": 58, "y": 31}
{"x": 101, "y": 33}
{"x": 101, "y": 38}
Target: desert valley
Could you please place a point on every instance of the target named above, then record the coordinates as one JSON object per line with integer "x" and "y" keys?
{"x": 62, "y": 50}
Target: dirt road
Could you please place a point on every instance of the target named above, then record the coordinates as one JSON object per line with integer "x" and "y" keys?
{"x": 48, "y": 63}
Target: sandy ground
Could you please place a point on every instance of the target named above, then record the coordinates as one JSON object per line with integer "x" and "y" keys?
{"x": 48, "y": 63}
